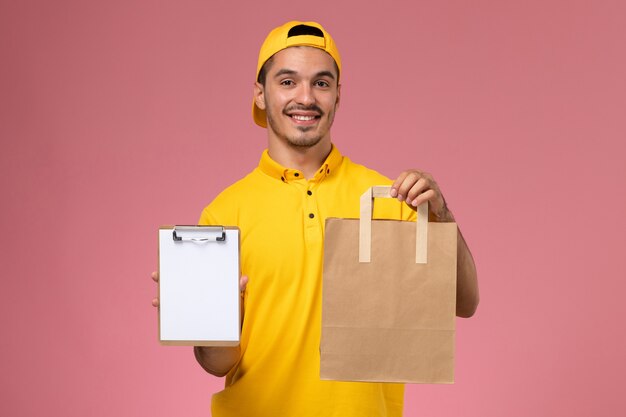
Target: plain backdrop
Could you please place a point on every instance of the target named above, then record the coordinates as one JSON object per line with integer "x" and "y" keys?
{"x": 120, "y": 116}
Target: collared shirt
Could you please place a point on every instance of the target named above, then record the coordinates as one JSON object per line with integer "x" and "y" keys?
{"x": 281, "y": 215}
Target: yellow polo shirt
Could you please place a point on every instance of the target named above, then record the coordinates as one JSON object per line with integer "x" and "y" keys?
{"x": 281, "y": 216}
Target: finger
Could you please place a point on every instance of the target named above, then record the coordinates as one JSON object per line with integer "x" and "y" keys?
{"x": 409, "y": 181}
{"x": 420, "y": 186}
{"x": 155, "y": 302}
{"x": 155, "y": 276}
{"x": 394, "y": 187}
{"x": 428, "y": 195}
{"x": 243, "y": 283}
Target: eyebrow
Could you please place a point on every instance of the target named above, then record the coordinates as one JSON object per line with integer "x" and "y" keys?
{"x": 326, "y": 74}
{"x": 286, "y": 71}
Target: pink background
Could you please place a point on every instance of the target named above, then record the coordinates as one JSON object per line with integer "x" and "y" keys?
{"x": 119, "y": 116}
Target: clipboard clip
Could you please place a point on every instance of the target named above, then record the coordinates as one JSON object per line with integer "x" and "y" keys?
{"x": 199, "y": 233}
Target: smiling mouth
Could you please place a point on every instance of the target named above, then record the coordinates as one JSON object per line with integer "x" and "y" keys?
{"x": 304, "y": 115}
{"x": 302, "y": 118}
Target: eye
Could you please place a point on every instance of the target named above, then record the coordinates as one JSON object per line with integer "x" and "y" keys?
{"x": 322, "y": 83}
{"x": 287, "y": 83}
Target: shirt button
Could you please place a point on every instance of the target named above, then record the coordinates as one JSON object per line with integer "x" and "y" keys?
{"x": 311, "y": 215}
{"x": 309, "y": 192}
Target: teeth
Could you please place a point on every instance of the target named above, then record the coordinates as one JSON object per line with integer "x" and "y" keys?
{"x": 303, "y": 118}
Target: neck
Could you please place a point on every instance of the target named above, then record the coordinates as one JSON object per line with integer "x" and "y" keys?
{"x": 305, "y": 159}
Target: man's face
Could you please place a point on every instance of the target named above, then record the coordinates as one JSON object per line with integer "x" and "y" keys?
{"x": 300, "y": 96}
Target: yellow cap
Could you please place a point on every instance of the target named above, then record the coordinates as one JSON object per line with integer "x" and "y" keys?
{"x": 293, "y": 34}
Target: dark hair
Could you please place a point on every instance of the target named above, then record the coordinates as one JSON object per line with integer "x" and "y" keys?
{"x": 263, "y": 71}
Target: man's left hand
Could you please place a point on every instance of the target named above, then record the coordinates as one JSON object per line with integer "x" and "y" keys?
{"x": 416, "y": 187}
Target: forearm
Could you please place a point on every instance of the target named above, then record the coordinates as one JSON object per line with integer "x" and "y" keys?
{"x": 467, "y": 296}
{"x": 217, "y": 361}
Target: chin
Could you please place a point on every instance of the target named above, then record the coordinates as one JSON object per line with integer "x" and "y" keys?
{"x": 304, "y": 142}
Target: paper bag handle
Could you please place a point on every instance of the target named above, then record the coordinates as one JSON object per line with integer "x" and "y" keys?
{"x": 365, "y": 225}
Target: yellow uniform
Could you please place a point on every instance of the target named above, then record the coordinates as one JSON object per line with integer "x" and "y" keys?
{"x": 281, "y": 216}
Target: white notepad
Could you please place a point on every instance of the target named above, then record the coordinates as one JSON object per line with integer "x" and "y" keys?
{"x": 199, "y": 300}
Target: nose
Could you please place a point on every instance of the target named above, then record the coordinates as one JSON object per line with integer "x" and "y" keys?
{"x": 305, "y": 95}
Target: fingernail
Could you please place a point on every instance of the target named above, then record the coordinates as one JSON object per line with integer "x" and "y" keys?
{"x": 414, "y": 203}
{"x": 400, "y": 197}
{"x": 393, "y": 192}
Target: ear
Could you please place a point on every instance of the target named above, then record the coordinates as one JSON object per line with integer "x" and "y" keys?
{"x": 259, "y": 95}
{"x": 338, "y": 95}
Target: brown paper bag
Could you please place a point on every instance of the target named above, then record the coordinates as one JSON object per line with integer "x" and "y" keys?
{"x": 389, "y": 298}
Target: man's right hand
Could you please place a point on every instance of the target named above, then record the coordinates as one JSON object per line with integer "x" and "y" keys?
{"x": 215, "y": 360}
{"x": 155, "y": 277}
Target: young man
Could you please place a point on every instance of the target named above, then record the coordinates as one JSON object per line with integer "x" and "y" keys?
{"x": 281, "y": 207}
